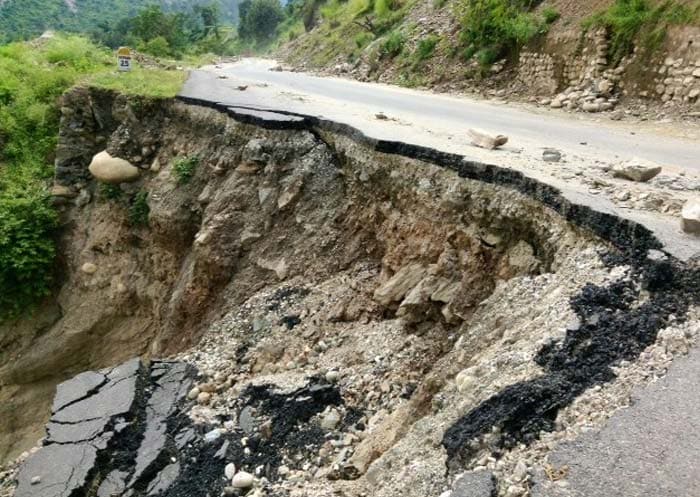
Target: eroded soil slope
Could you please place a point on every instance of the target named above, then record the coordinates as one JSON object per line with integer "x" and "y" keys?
{"x": 454, "y": 319}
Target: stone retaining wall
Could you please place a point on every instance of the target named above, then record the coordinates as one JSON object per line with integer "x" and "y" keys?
{"x": 578, "y": 66}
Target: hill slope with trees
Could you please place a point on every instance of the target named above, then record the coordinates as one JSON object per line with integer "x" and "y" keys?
{"x": 24, "y": 19}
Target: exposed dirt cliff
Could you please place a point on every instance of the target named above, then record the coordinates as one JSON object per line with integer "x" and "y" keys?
{"x": 458, "y": 316}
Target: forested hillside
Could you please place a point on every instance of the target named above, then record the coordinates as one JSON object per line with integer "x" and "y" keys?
{"x": 22, "y": 19}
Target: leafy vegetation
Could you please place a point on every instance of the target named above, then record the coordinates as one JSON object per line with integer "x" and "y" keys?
{"x": 139, "y": 209}
{"x": 493, "y": 29}
{"x": 27, "y": 248}
{"x": 24, "y": 19}
{"x": 631, "y": 21}
{"x": 550, "y": 15}
{"x": 110, "y": 192}
{"x": 426, "y": 47}
{"x": 162, "y": 33}
{"x": 32, "y": 78}
{"x": 393, "y": 44}
{"x": 260, "y": 19}
{"x": 184, "y": 168}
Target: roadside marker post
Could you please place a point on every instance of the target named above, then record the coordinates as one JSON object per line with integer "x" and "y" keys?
{"x": 124, "y": 59}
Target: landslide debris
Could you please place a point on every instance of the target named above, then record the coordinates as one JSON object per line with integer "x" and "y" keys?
{"x": 345, "y": 318}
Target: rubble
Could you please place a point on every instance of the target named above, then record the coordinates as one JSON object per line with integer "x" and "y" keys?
{"x": 421, "y": 333}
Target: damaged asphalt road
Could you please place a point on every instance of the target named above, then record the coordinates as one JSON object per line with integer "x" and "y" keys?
{"x": 119, "y": 432}
{"x": 124, "y": 432}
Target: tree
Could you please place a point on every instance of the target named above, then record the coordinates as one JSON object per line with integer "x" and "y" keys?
{"x": 211, "y": 18}
{"x": 260, "y": 18}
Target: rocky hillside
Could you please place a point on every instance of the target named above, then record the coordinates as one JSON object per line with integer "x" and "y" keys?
{"x": 581, "y": 56}
{"x": 341, "y": 316}
{"x": 24, "y": 19}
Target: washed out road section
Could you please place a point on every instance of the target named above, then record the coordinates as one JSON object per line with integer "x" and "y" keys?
{"x": 442, "y": 116}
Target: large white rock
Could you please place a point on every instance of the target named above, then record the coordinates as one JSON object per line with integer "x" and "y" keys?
{"x": 637, "y": 170}
{"x": 242, "y": 480}
{"x": 690, "y": 217}
{"x": 230, "y": 471}
{"x": 113, "y": 170}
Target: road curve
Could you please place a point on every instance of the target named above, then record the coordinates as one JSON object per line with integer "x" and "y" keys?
{"x": 335, "y": 97}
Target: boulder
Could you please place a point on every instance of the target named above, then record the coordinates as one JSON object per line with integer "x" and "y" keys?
{"x": 113, "y": 170}
{"x": 483, "y": 140}
{"x": 557, "y": 103}
{"x": 639, "y": 170}
{"x": 591, "y": 107}
{"x": 279, "y": 266}
{"x": 690, "y": 217}
{"x": 474, "y": 484}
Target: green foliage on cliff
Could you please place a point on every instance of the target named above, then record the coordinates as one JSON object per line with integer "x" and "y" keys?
{"x": 139, "y": 209}
{"x": 184, "y": 168}
{"x": 33, "y": 76}
{"x": 493, "y": 29}
{"x": 27, "y": 250}
{"x": 641, "y": 22}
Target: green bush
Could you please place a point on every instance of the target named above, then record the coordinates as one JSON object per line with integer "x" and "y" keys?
{"x": 630, "y": 21}
{"x": 139, "y": 209}
{"x": 184, "y": 168}
{"x": 426, "y": 48}
{"x": 360, "y": 7}
{"x": 157, "y": 46}
{"x": 492, "y": 29}
{"x": 383, "y": 8}
{"x": 27, "y": 250}
{"x": 550, "y": 15}
{"x": 393, "y": 44}
{"x": 33, "y": 76}
{"x": 110, "y": 192}
{"x": 363, "y": 39}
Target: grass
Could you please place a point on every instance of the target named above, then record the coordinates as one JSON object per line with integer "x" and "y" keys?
{"x": 493, "y": 29}
{"x": 110, "y": 192}
{"x": 154, "y": 83}
{"x": 33, "y": 76}
{"x": 184, "y": 168}
{"x": 393, "y": 44}
{"x": 348, "y": 27}
{"x": 426, "y": 48}
{"x": 139, "y": 209}
{"x": 640, "y": 22}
